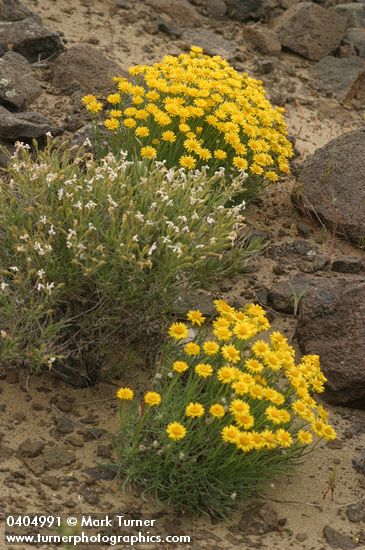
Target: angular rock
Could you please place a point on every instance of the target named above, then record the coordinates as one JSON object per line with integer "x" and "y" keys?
{"x": 14, "y": 10}
{"x": 18, "y": 88}
{"x": 211, "y": 42}
{"x": 22, "y": 125}
{"x": 57, "y": 457}
{"x": 216, "y": 8}
{"x": 356, "y": 512}
{"x": 30, "y": 38}
{"x": 254, "y": 10}
{"x": 347, "y": 265}
{"x": 64, "y": 425}
{"x": 344, "y": 77}
{"x": 84, "y": 68}
{"x": 101, "y": 473}
{"x": 359, "y": 463}
{"x": 263, "y": 39}
{"x": 355, "y": 40}
{"x": 338, "y": 540}
{"x": 36, "y": 465}
{"x": 259, "y": 519}
{"x": 30, "y": 448}
{"x": 282, "y": 295}
{"x": 331, "y": 324}
{"x": 181, "y": 12}
{"x": 331, "y": 183}
{"x": 354, "y": 12}
{"x": 310, "y": 30}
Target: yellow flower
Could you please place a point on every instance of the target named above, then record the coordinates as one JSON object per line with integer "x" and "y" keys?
{"x": 180, "y": 366}
{"x": 194, "y": 410}
{"x": 239, "y": 406}
{"x": 111, "y": 124}
{"x": 244, "y": 330}
{"x": 179, "y": 331}
{"x": 240, "y": 163}
{"x": 114, "y": 98}
{"x": 210, "y": 347}
{"x": 220, "y": 154}
{"x": 217, "y": 410}
{"x": 192, "y": 349}
{"x": 195, "y": 317}
{"x": 230, "y": 434}
{"x": 277, "y": 416}
{"x": 253, "y": 365}
{"x": 152, "y": 398}
{"x": 231, "y": 353}
{"x": 129, "y": 122}
{"x": 125, "y": 394}
{"x": 204, "y": 370}
{"x": 222, "y": 332}
{"x": 328, "y": 432}
{"x": 184, "y": 128}
{"x": 283, "y": 438}
{"x": 142, "y": 131}
{"x": 222, "y": 307}
{"x": 271, "y": 175}
{"x": 226, "y": 374}
{"x": 148, "y": 152}
{"x": 94, "y": 106}
{"x": 187, "y": 162}
{"x": 196, "y": 49}
{"x": 116, "y": 113}
{"x": 176, "y": 431}
{"x": 304, "y": 437}
{"x": 244, "y": 441}
{"x": 168, "y": 136}
{"x": 245, "y": 420}
{"x": 260, "y": 348}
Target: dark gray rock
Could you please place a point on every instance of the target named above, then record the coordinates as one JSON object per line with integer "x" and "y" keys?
{"x": 356, "y": 512}
{"x": 331, "y": 185}
{"x": 343, "y": 77}
{"x": 30, "y": 38}
{"x": 338, "y": 540}
{"x": 259, "y": 519}
{"x": 358, "y": 463}
{"x": 18, "y": 87}
{"x": 281, "y": 295}
{"x": 64, "y": 425}
{"x": 22, "y": 125}
{"x": 216, "y": 8}
{"x": 310, "y": 30}
{"x": 211, "y": 42}
{"x": 169, "y": 28}
{"x": 263, "y": 39}
{"x": 181, "y": 12}
{"x": 246, "y": 10}
{"x": 354, "y": 12}
{"x": 83, "y": 68}
{"x": 57, "y": 457}
{"x": 355, "y": 40}
{"x": 331, "y": 324}
{"x": 14, "y": 10}
{"x": 347, "y": 265}
{"x": 30, "y": 448}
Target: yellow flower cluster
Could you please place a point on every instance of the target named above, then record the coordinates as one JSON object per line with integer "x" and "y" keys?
{"x": 195, "y": 110}
{"x": 261, "y": 371}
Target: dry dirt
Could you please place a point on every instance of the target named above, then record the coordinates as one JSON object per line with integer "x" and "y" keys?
{"x": 33, "y": 407}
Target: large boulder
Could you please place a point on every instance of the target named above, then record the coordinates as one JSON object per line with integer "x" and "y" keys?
{"x": 354, "y": 11}
{"x": 344, "y": 77}
{"x": 30, "y": 38}
{"x": 85, "y": 69}
{"x": 310, "y": 30}
{"x": 181, "y": 12}
{"x": 331, "y": 323}
{"x": 18, "y": 87}
{"x": 14, "y": 10}
{"x": 27, "y": 125}
{"x": 331, "y": 186}
{"x": 355, "y": 40}
{"x": 251, "y": 10}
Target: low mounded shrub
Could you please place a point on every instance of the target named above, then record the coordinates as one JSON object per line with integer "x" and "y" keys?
{"x": 195, "y": 110}
{"x": 93, "y": 251}
{"x": 229, "y": 409}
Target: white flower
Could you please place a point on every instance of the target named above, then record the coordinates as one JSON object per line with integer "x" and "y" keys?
{"x": 233, "y": 496}
{"x": 52, "y": 231}
{"x": 14, "y": 268}
{"x": 112, "y": 202}
{"x": 24, "y": 237}
{"x": 3, "y": 334}
{"x": 152, "y": 249}
{"x": 60, "y": 193}
{"x": 78, "y": 205}
{"x": 41, "y": 273}
{"x": 135, "y": 238}
{"x": 50, "y": 361}
{"x": 90, "y": 205}
{"x": 40, "y": 287}
{"x": 3, "y": 286}
{"x": 210, "y": 220}
{"x": 43, "y": 219}
{"x": 139, "y": 216}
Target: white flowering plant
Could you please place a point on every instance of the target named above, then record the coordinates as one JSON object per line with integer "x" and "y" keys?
{"x": 97, "y": 250}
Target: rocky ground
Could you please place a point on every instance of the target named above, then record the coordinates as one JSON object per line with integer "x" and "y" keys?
{"x": 311, "y": 57}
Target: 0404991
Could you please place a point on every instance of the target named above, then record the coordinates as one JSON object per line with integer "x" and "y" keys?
{"x": 37, "y": 521}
